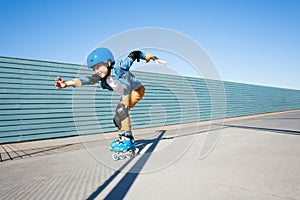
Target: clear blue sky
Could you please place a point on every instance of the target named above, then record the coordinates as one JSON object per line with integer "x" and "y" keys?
{"x": 250, "y": 41}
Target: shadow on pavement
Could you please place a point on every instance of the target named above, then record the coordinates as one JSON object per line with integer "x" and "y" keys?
{"x": 121, "y": 189}
{"x": 282, "y": 131}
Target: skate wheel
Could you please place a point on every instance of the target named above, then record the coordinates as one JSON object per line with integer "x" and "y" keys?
{"x": 115, "y": 156}
{"x": 122, "y": 157}
{"x": 129, "y": 153}
{"x": 133, "y": 152}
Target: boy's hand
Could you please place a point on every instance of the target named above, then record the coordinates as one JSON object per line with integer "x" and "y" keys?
{"x": 158, "y": 61}
{"x": 149, "y": 57}
{"x": 60, "y": 83}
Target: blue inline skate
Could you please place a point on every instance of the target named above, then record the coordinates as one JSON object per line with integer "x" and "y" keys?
{"x": 123, "y": 147}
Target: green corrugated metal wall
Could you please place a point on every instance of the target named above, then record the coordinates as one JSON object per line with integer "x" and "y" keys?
{"x": 32, "y": 108}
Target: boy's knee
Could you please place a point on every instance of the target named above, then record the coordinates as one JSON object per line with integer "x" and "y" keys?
{"x": 121, "y": 114}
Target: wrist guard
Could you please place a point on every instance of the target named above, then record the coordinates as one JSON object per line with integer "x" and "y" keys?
{"x": 135, "y": 55}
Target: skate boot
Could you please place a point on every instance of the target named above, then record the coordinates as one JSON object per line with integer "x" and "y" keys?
{"x": 124, "y": 146}
{"x": 118, "y": 141}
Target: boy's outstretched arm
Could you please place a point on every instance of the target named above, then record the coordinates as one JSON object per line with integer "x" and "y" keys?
{"x": 137, "y": 55}
{"x": 60, "y": 83}
{"x": 77, "y": 82}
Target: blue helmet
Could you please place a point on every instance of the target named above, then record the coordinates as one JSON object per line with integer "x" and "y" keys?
{"x": 99, "y": 55}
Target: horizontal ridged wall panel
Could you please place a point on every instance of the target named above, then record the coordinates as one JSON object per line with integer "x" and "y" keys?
{"x": 31, "y": 108}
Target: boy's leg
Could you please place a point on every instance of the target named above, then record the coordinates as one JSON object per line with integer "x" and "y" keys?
{"x": 122, "y": 118}
{"x": 125, "y": 105}
{"x": 125, "y": 123}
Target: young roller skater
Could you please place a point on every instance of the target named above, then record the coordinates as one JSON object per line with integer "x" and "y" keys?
{"x": 114, "y": 75}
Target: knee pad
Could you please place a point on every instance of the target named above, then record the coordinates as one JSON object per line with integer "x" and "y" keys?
{"x": 120, "y": 115}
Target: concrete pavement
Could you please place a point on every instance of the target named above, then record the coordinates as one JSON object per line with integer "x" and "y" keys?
{"x": 255, "y": 157}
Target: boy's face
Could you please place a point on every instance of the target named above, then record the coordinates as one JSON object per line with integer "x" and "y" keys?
{"x": 101, "y": 69}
